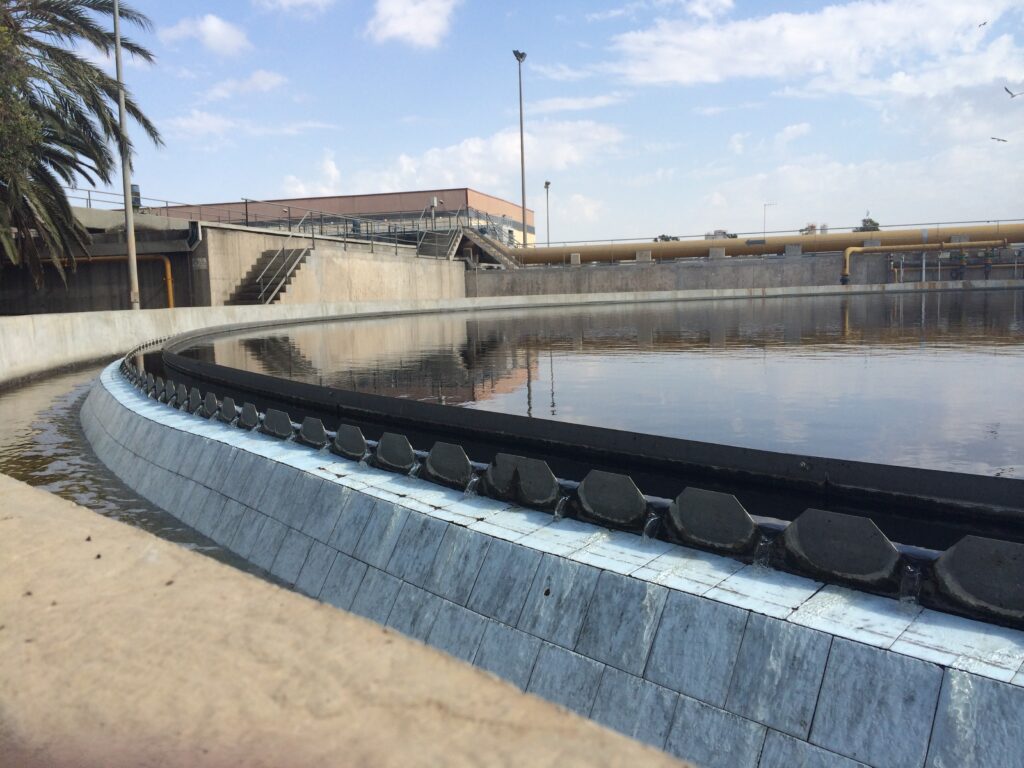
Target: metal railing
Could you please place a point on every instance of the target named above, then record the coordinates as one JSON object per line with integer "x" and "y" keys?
{"x": 266, "y": 284}
{"x": 408, "y": 229}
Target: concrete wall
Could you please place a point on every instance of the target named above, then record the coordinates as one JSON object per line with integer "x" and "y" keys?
{"x": 31, "y": 344}
{"x": 335, "y": 271}
{"x": 93, "y": 287}
{"x": 711, "y": 660}
{"x": 690, "y": 274}
{"x": 331, "y": 274}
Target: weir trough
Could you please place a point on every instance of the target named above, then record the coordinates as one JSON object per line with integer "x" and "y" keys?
{"x": 708, "y": 657}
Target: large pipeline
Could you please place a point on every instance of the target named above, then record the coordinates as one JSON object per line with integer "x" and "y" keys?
{"x": 756, "y": 246}
{"x": 918, "y": 247}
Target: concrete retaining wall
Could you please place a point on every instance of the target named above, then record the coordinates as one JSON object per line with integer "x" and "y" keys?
{"x": 689, "y": 274}
{"x": 331, "y": 274}
{"x": 359, "y": 271}
{"x": 714, "y": 661}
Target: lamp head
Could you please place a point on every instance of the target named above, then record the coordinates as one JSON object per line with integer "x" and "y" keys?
{"x": 547, "y": 184}
{"x": 520, "y": 56}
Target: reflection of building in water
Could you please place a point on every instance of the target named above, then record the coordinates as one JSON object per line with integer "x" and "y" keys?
{"x": 454, "y": 360}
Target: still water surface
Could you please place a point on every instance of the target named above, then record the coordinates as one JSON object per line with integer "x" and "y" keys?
{"x": 43, "y": 444}
{"x": 925, "y": 380}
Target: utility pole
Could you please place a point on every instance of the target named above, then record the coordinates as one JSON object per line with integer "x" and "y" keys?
{"x": 521, "y": 57}
{"x": 126, "y": 178}
{"x": 764, "y": 220}
{"x": 547, "y": 209}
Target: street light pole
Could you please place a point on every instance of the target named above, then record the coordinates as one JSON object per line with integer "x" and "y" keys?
{"x": 547, "y": 209}
{"x": 129, "y": 214}
{"x": 520, "y": 58}
{"x": 764, "y": 220}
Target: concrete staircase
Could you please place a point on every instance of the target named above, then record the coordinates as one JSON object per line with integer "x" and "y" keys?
{"x": 496, "y": 253}
{"x": 269, "y": 277}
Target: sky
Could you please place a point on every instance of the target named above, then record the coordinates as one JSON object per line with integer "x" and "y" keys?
{"x": 647, "y": 117}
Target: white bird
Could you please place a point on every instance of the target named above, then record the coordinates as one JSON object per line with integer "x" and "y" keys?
{"x": 996, "y": 138}
{"x": 1012, "y": 94}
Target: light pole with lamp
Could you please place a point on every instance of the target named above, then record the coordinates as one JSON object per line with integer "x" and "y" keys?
{"x": 764, "y": 220}
{"x": 547, "y": 209}
{"x": 126, "y": 179}
{"x": 520, "y": 58}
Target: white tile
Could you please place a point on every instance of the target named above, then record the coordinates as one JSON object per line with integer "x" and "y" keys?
{"x": 470, "y": 509}
{"x": 1018, "y": 679}
{"x": 366, "y": 474}
{"x": 688, "y": 570}
{"x": 382, "y": 495}
{"x": 868, "y": 619}
{"x": 306, "y": 460}
{"x": 562, "y": 538}
{"x": 621, "y": 552}
{"x": 960, "y": 643}
{"x": 421, "y": 490}
{"x": 416, "y": 505}
{"x": 764, "y": 590}
{"x": 512, "y": 524}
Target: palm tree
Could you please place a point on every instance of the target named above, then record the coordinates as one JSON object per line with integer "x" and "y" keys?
{"x": 58, "y": 121}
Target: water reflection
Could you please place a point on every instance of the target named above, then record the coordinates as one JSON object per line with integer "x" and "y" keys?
{"x": 43, "y": 444}
{"x": 930, "y": 380}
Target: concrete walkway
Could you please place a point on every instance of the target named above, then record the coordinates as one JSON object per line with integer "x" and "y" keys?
{"x": 118, "y": 648}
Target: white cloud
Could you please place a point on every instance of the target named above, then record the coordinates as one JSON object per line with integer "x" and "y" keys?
{"x": 260, "y": 81}
{"x": 310, "y": 6}
{"x": 560, "y": 72}
{"x": 858, "y": 47}
{"x": 791, "y": 133}
{"x": 737, "y": 143}
{"x": 720, "y": 109}
{"x": 328, "y": 182}
{"x": 708, "y": 9}
{"x": 819, "y": 188}
{"x": 215, "y": 34}
{"x": 201, "y": 125}
{"x": 659, "y": 176}
{"x": 490, "y": 163}
{"x": 702, "y": 9}
{"x": 198, "y": 124}
{"x": 420, "y": 23}
{"x": 574, "y": 103}
{"x": 580, "y": 208}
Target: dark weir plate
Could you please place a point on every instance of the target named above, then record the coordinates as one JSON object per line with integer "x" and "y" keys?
{"x": 974, "y": 337}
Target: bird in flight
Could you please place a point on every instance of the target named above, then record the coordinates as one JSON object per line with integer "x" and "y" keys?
{"x": 982, "y": 24}
{"x": 996, "y": 138}
{"x": 1012, "y": 94}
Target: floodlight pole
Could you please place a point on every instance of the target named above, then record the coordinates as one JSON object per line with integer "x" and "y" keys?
{"x": 126, "y": 178}
{"x": 764, "y": 220}
{"x": 547, "y": 209}
{"x": 520, "y": 57}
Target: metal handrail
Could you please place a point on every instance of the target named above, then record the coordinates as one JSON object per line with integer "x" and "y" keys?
{"x": 259, "y": 279}
{"x": 291, "y": 271}
{"x": 237, "y": 216}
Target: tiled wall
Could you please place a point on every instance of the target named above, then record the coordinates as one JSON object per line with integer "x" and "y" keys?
{"x": 719, "y": 663}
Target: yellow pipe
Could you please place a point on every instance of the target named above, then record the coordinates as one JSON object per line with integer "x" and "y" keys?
{"x": 757, "y": 246}
{"x": 848, "y": 252}
{"x": 168, "y": 277}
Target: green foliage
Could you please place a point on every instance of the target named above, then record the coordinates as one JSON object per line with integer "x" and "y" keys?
{"x": 58, "y": 122}
{"x": 867, "y": 225}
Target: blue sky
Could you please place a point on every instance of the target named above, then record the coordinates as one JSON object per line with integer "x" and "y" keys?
{"x": 651, "y": 116}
